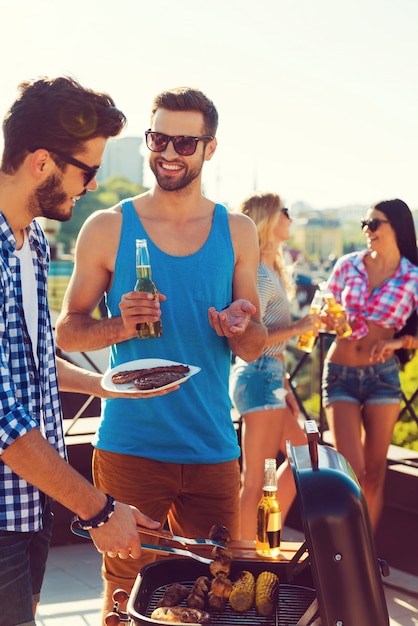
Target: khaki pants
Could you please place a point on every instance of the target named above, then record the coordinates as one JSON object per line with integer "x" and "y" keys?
{"x": 191, "y": 497}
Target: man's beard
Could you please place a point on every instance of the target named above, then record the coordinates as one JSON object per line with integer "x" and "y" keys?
{"x": 48, "y": 200}
{"x": 169, "y": 183}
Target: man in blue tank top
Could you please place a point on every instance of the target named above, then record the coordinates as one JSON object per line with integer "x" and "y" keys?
{"x": 174, "y": 456}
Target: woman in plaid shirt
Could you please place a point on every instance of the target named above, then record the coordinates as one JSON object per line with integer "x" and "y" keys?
{"x": 361, "y": 388}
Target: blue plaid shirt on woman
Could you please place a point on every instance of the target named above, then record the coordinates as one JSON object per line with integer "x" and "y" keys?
{"x": 29, "y": 396}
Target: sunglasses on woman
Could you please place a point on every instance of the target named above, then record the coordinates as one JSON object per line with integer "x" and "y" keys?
{"x": 373, "y": 224}
{"x": 184, "y": 145}
{"x": 285, "y": 212}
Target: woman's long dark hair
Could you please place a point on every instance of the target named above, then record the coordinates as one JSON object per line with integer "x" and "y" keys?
{"x": 401, "y": 220}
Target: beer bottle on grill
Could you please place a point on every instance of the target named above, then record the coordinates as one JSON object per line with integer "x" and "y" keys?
{"x": 144, "y": 282}
{"x": 269, "y": 515}
{"x": 307, "y": 340}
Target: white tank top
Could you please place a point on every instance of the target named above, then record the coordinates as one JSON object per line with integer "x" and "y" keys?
{"x": 29, "y": 293}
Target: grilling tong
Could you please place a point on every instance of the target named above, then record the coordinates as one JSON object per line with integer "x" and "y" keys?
{"x": 162, "y": 534}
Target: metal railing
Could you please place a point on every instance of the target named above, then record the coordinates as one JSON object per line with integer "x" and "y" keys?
{"x": 80, "y": 412}
{"x": 292, "y": 378}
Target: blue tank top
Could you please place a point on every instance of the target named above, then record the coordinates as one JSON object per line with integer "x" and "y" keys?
{"x": 192, "y": 424}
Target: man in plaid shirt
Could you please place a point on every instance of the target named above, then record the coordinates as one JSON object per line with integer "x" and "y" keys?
{"x": 55, "y": 134}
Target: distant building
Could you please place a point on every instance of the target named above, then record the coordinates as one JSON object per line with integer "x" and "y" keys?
{"x": 319, "y": 236}
{"x": 122, "y": 157}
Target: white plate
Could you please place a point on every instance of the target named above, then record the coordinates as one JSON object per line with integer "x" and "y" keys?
{"x": 109, "y": 385}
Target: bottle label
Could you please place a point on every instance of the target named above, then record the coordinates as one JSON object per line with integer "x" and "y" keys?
{"x": 274, "y": 522}
{"x": 273, "y": 540}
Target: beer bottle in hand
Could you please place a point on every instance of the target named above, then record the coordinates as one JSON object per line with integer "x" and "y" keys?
{"x": 307, "y": 340}
{"x": 144, "y": 282}
{"x": 342, "y": 328}
{"x": 269, "y": 515}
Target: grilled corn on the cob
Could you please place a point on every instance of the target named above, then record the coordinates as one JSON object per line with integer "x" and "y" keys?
{"x": 242, "y": 594}
{"x": 266, "y": 591}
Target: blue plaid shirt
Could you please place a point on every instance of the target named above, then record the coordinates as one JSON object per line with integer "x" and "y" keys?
{"x": 29, "y": 396}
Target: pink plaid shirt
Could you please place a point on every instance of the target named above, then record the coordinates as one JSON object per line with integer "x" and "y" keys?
{"x": 389, "y": 305}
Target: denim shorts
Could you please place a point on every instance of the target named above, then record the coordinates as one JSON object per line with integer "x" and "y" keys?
{"x": 371, "y": 384}
{"x": 258, "y": 386}
{"x": 23, "y": 559}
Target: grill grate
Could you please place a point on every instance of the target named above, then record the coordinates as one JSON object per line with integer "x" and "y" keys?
{"x": 292, "y": 604}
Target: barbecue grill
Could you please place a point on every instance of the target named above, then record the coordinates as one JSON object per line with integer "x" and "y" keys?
{"x": 294, "y": 599}
{"x": 336, "y": 567}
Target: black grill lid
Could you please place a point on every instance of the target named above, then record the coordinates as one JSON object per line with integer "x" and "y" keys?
{"x": 338, "y": 535}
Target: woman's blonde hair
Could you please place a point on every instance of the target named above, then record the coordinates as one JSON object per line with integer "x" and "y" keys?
{"x": 262, "y": 208}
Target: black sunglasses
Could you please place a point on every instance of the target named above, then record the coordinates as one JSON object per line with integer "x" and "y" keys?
{"x": 185, "y": 145}
{"x": 286, "y": 212}
{"x": 89, "y": 172}
{"x": 373, "y": 224}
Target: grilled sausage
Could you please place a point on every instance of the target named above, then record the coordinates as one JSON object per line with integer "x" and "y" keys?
{"x": 127, "y": 376}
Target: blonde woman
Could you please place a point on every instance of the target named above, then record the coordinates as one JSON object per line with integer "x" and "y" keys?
{"x": 259, "y": 389}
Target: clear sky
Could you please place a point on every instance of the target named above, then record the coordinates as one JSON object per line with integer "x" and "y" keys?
{"x": 318, "y": 99}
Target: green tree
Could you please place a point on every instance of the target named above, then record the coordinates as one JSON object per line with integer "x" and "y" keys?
{"x": 405, "y": 433}
{"x": 108, "y": 194}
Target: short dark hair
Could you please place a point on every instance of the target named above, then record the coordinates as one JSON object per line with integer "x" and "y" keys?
{"x": 188, "y": 99}
{"x": 56, "y": 113}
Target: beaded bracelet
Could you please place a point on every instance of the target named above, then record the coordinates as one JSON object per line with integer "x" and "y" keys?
{"x": 408, "y": 342}
{"x": 101, "y": 518}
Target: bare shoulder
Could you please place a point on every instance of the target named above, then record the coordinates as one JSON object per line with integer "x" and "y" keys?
{"x": 98, "y": 239}
{"x": 101, "y": 226}
{"x": 105, "y": 217}
{"x": 243, "y": 232}
{"x": 241, "y": 221}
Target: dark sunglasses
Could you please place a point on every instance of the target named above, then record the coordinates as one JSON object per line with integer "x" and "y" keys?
{"x": 89, "y": 172}
{"x": 185, "y": 145}
{"x": 373, "y": 224}
{"x": 286, "y": 212}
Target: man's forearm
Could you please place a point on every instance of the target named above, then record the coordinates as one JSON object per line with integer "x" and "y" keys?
{"x": 249, "y": 346}
{"x": 34, "y": 459}
{"x": 76, "y": 332}
{"x": 72, "y": 378}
